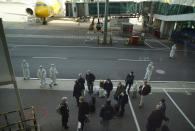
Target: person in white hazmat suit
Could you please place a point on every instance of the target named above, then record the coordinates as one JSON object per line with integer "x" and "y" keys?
{"x": 172, "y": 52}
{"x": 149, "y": 71}
{"x": 52, "y": 73}
{"x": 41, "y": 74}
{"x": 26, "y": 70}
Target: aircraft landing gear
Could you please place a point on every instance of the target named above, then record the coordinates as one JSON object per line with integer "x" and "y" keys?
{"x": 44, "y": 21}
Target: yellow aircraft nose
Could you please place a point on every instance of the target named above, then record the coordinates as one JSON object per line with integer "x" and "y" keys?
{"x": 41, "y": 10}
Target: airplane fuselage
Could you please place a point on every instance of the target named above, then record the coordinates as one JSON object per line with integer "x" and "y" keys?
{"x": 47, "y": 8}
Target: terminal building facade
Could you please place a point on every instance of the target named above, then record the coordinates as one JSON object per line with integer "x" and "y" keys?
{"x": 173, "y": 19}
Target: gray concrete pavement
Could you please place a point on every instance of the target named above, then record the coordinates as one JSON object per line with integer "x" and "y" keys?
{"x": 46, "y": 100}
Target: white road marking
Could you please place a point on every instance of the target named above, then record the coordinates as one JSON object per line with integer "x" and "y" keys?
{"x": 162, "y": 88}
{"x": 160, "y": 71}
{"x": 188, "y": 93}
{"x": 134, "y": 115}
{"x": 132, "y": 60}
{"x": 163, "y": 44}
{"x": 148, "y": 44}
{"x": 179, "y": 109}
{"x": 189, "y": 82}
{"x": 62, "y": 58}
{"x": 92, "y": 47}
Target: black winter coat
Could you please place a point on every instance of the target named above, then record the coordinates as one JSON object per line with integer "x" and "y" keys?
{"x": 123, "y": 99}
{"x": 129, "y": 79}
{"x": 83, "y": 111}
{"x": 107, "y": 112}
{"x": 81, "y": 82}
{"x": 119, "y": 90}
{"x": 155, "y": 119}
{"x": 90, "y": 78}
{"x": 77, "y": 90}
{"x": 108, "y": 86}
{"x": 144, "y": 91}
{"x": 64, "y": 110}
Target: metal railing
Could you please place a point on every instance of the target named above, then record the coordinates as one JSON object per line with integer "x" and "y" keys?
{"x": 19, "y": 124}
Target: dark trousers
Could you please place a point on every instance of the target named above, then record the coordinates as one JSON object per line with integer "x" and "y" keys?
{"x": 122, "y": 109}
{"x": 150, "y": 128}
{"x": 108, "y": 93}
{"x": 128, "y": 87}
{"x": 82, "y": 119}
{"x": 82, "y": 125}
{"x": 64, "y": 121}
{"x": 105, "y": 124}
{"x": 90, "y": 88}
{"x": 77, "y": 99}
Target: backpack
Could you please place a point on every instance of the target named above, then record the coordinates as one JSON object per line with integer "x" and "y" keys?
{"x": 58, "y": 109}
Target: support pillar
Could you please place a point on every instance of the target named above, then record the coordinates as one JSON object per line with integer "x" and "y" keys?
{"x": 74, "y": 9}
{"x": 106, "y": 22}
{"x": 162, "y": 28}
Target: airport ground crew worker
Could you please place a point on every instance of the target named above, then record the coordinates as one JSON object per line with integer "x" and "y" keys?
{"x": 41, "y": 74}
{"x": 149, "y": 71}
{"x": 172, "y": 52}
{"x": 25, "y": 70}
{"x": 52, "y": 73}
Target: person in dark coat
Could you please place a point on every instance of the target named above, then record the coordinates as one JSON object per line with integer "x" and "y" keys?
{"x": 81, "y": 82}
{"x": 155, "y": 119}
{"x": 123, "y": 100}
{"x": 108, "y": 86}
{"x": 144, "y": 90}
{"x": 83, "y": 112}
{"x": 77, "y": 91}
{"x": 119, "y": 90}
{"x": 163, "y": 108}
{"x": 106, "y": 113}
{"x": 129, "y": 81}
{"x": 64, "y": 111}
{"x": 90, "y": 78}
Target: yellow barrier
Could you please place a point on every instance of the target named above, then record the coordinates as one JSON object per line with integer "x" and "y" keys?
{"x": 20, "y": 124}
